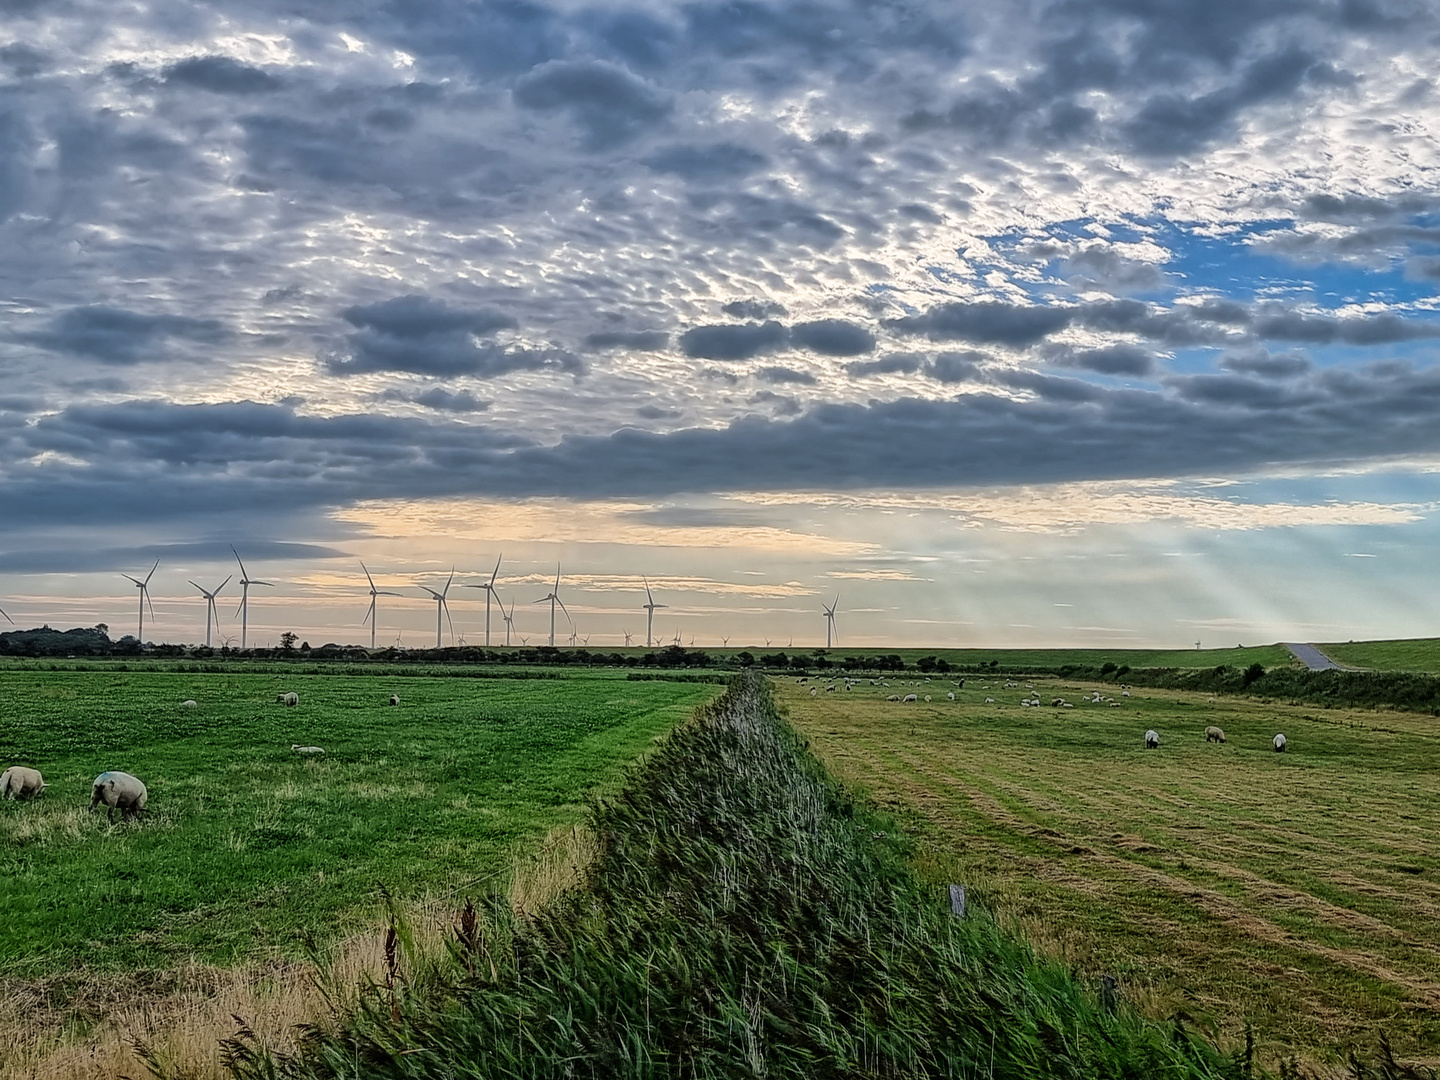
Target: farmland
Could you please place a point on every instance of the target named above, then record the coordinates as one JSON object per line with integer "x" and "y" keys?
{"x": 1295, "y": 893}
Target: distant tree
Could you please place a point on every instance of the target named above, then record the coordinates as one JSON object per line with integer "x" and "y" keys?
{"x": 1253, "y": 672}
{"x": 926, "y": 664}
{"x": 287, "y": 641}
{"x": 1107, "y": 669}
{"x": 744, "y": 659}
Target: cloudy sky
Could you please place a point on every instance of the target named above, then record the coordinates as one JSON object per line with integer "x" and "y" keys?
{"x": 1020, "y": 322}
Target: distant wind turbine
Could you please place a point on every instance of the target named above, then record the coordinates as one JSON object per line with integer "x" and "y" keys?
{"x": 553, "y": 599}
{"x": 370, "y": 615}
{"x": 442, "y": 607}
{"x": 629, "y": 638}
{"x": 650, "y": 606}
{"x": 573, "y": 636}
{"x": 524, "y": 642}
{"x": 830, "y": 620}
{"x": 244, "y": 609}
{"x": 724, "y": 642}
{"x": 509, "y": 617}
{"x": 489, "y": 588}
{"x": 210, "y": 612}
{"x": 144, "y": 587}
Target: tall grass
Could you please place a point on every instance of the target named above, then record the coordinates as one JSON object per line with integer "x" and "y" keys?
{"x": 742, "y": 917}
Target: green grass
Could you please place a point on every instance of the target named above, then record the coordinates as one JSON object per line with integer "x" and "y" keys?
{"x": 1046, "y": 659}
{"x": 743, "y": 918}
{"x": 1414, "y": 654}
{"x": 1298, "y": 893}
{"x": 249, "y": 849}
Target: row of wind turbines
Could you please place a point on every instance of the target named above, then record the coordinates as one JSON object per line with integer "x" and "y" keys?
{"x": 442, "y": 606}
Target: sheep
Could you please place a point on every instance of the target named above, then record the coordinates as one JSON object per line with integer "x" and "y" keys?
{"x": 291, "y": 698}
{"x": 1279, "y": 743}
{"x": 394, "y": 699}
{"x": 1124, "y": 693}
{"x": 910, "y": 697}
{"x": 18, "y": 782}
{"x": 988, "y": 700}
{"x": 306, "y": 749}
{"x": 119, "y": 790}
{"x": 1152, "y": 739}
{"x": 893, "y": 697}
{"x": 951, "y": 695}
{"x": 1214, "y": 734}
{"x": 189, "y": 703}
{"x": 927, "y": 697}
{"x": 814, "y": 690}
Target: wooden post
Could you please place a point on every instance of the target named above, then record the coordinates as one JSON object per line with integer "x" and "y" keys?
{"x": 957, "y": 900}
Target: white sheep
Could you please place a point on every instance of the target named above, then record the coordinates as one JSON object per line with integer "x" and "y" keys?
{"x": 951, "y": 695}
{"x": 189, "y": 703}
{"x": 306, "y": 749}
{"x": 119, "y": 790}
{"x": 1152, "y": 739}
{"x": 927, "y": 697}
{"x": 291, "y": 698}
{"x": 814, "y": 690}
{"x": 1279, "y": 743}
{"x": 1214, "y": 734}
{"x": 893, "y": 697}
{"x": 910, "y": 697}
{"x": 394, "y": 699}
{"x": 18, "y": 782}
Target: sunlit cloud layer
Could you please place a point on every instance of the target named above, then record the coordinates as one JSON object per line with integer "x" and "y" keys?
{"x": 836, "y": 292}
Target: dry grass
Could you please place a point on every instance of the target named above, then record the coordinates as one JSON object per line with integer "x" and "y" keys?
{"x": 1298, "y": 894}
{"x": 111, "y": 1026}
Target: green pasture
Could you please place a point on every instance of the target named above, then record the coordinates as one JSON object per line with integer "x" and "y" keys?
{"x": 1414, "y": 654}
{"x": 249, "y": 849}
{"x": 1297, "y": 894}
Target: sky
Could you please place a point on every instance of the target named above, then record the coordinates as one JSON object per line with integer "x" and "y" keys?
{"x": 1016, "y": 323}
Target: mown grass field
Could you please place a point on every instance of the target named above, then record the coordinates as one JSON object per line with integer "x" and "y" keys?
{"x": 250, "y": 849}
{"x": 1297, "y": 893}
{"x": 1045, "y": 659}
{"x": 1413, "y": 654}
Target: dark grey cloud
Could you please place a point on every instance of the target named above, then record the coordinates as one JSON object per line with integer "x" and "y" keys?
{"x": 24, "y": 61}
{"x": 220, "y": 75}
{"x": 954, "y": 367}
{"x": 833, "y": 337}
{"x": 987, "y": 322}
{"x": 1266, "y": 364}
{"x": 710, "y": 163}
{"x": 638, "y": 340}
{"x": 1110, "y": 360}
{"x": 756, "y": 310}
{"x": 893, "y": 364}
{"x": 59, "y": 557}
{"x": 413, "y": 316}
{"x": 742, "y": 342}
{"x": 117, "y": 336}
{"x": 455, "y": 401}
{"x": 610, "y": 104}
{"x": 444, "y": 355}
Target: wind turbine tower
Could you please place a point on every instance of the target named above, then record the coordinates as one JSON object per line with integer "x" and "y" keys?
{"x": 211, "y": 615}
{"x": 553, "y": 599}
{"x": 489, "y": 588}
{"x": 650, "y": 607}
{"x": 830, "y": 620}
{"x": 509, "y": 617}
{"x": 244, "y": 610}
{"x": 442, "y": 607}
{"x": 370, "y": 616}
{"x": 144, "y": 587}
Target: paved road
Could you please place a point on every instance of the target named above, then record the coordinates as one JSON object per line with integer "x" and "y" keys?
{"x": 1312, "y": 657}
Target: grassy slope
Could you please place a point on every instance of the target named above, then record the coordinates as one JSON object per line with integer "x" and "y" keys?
{"x": 248, "y": 847}
{"x": 1298, "y": 893}
{"x": 1417, "y": 654}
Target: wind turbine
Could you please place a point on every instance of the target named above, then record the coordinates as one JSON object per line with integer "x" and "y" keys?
{"x": 509, "y": 618}
{"x": 629, "y": 638}
{"x": 649, "y": 607}
{"x": 7, "y": 617}
{"x": 144, "y": 587}
{"x": 553, "y": 599}
{"x": 830, "y": 619}
{"x": 244, "y": 610}
{"x": 210, "y": 612}
{"x": 370, "y": 616}
{"x": 489, "y": 588}
{"x": 442, "y": 607}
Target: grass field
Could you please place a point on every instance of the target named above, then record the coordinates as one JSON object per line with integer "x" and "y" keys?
{"x": 249, "y": 852}
{"x": 1297, "y": 893}
{"x": 1414, "y": 654}
{"x": 1045, "y": 659}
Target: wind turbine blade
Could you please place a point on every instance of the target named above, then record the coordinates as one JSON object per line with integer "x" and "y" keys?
{"x": 7, "y": 617}
{"x": 431, "y": 591}
{"x": 557, "y": 579}
{"x": 367, "y": 575}
{"x": 648, "y": 598}
{"x": 382, "y": 592}
{"x": 368, "y": 612}
{"x": 152, "y": 571}
{"x": 562, "y": 608}
{"x": 545, "y": 599}
{"x": 449, "y": 620}
{"x": 451, "y": 578}
{"x": 241, "y": 561}
{"x": 146, "y": 593}
{"x": 659, "y": 606}
{"x": 269, "y": 583}
{"x": 188, "y": 582}
{"x": 495, "y": 571}
{"x": 136, "y": 580}
{"x": 222, "y": 585}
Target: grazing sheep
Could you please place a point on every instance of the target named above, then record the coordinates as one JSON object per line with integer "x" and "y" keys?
{"x": 291, "y": 698}
{"x": 927, "y": 697}
{"x": 1279, "y": 743}
{"x": 951, "y": 695}
{"x": 18, "y": 782}
{"x": 988, "y": 700}
{"x": 1152, "y": 739}
{"x": 119, "y": 790}
{"x": 893, "y": 697}
{"x": 306, "y": 749}
{"x": 1214, "y": 734}
{"x": 910, "y": 697}
{"x": 394, "y": 699}
{"x": 814, "y": 690}
{"x": 189, "y": 703}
